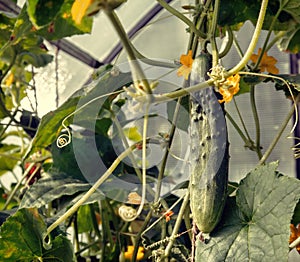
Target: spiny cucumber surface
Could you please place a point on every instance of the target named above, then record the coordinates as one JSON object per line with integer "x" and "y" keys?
{"x": 209, "y": 151}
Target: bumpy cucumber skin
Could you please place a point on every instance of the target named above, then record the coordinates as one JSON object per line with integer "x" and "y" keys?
{"x": 209, "y": 152}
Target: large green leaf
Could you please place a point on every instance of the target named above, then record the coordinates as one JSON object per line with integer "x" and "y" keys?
{"x": 21, "y": 239}
{"x": 51, "y": 124}
{"x": 233, "y": 12}
{"x": 292, "y": 7}
{"x": 255, "y": 225}
{"x": 54, "y": 186}
{"x": 42, "y": 12}
{"x": 65, "y": 159}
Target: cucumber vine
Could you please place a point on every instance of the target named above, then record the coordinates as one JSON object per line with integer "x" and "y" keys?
{"x": 156, "y": 219}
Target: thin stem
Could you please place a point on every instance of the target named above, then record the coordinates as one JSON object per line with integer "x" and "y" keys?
{"x": 237, "y": 128}
{"x": 76, "y": 234}
{"x": 94, "y": 220}
{"x": 228, "y": 46}
{"x": 165, "y": 158}
{"x": 237, "y": 46}
{"x": 56, "y": 78}
{"x": 144, "y": 158}
{"x": 33, "y": 86}
{"x": 177, "y": 224}
{"x": 182, "y": 17}
{"x": 137, "y": 72}
{"x": 131, "y": 156}
{"x": 91, "y": 190}
{"x": 153, "y": 62}
{"x": 12, "y": 119}
{"x": 139, "y": 235}
{"x": 12, "y": 194}
{"x": 277, "y": 137}
{"x": 254, "y": 40}
{"x": 181, "y": 92}
{"x": 267, "y": 38}
{"x": 161, "y": 217}
{"x": 213, "y": 28}
{"x": 234, "y": 70}
{"x": 256, "y": 121}
{"x": 277, "y": 37}
{"x": 242, "y": 121}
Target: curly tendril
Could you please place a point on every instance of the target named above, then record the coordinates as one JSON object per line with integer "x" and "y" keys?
{"x": 65, "y": 139}
{"x": 127, "y": 213}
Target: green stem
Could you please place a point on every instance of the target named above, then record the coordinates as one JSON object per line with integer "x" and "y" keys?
{"x": 228, "y": 44}
{"x": 237, "y": 45}
{"x": 234, "y": 70}
{"x": 182, "y": 17}
{"x": 12, "y": 194}
{"x": 88, "y": 246}
{"x": 254, "y": 40}
{"x": 277, "y": 37}
{"x": 144, "y": 158}
{"x": 237, "y": 128}
{"x": 256, "y": 121}
{"x": 148, "y": 61}
{"x": 91, "y": 190}
{"x": 212, "y": 33}
{"x": 139, "y": 235}
{"x": 137, "y": 72}
{"x": 76, "y": 234}
{"x": 165, "y": 157}
{"x": 131, "y": 156}
{"x": 277, "y": 137}
{"x": 187, "y": 221}
{"x": 242, "y": 121}
{"x": 267, "y": 38}
{"x": 94, "y": 220}
{"x": 104, "y": 229}
{"x": 177, "y": 224}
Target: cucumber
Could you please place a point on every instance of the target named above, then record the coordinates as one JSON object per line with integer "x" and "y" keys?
{"x": 209, "y": 151}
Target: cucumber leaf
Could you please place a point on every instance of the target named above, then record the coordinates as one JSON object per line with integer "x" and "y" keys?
{"x": 51, "y": 124}
{"x": 42, "y": 12}
{"x": 55, "y": 186}
{"x": 255, "y": 224}
{"x": 21, "y": 239}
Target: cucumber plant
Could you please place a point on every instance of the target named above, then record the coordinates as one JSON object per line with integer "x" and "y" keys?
{"x": 241, "y": 219}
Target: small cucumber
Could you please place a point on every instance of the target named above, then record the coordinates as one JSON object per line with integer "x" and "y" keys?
{"x": 209, "y": 151}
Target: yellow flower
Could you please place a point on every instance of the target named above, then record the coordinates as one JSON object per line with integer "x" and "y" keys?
{"x": 229, "y": 88}
{"x": 185, "y": 69}
{"x": 129, "y": 253}
{"x": 79, "y": 9}
{"x": 267, "y": 63}
{"x": 10, "y": 79}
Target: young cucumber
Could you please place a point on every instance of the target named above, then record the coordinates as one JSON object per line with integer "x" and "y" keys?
{"x": 209, "y": 151}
